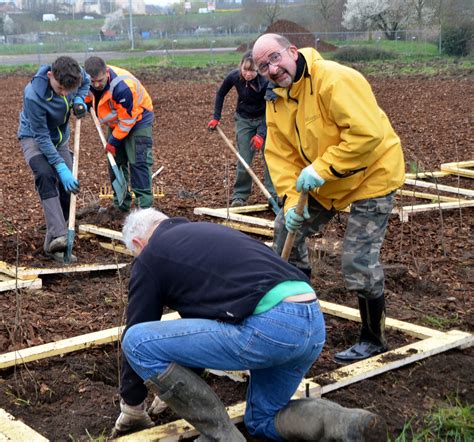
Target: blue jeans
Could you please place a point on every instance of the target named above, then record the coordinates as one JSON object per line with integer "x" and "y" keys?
{"x": 278, "y": 347}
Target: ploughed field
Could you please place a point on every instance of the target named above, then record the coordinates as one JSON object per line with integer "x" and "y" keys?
{"x": 428, "y": 259}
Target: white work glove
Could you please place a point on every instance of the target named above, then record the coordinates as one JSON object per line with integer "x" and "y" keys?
{"x": 157, "y": 407}
{"x": 132, "y": 418}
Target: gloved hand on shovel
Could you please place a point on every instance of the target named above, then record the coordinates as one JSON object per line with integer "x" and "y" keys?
{"x": 293, "y": 221}
{"x": 111, "y": 148}
{"x": 132, "y": 417}
{"x": 212, "y": 124}
{"x": 79, "y": 107}
{"x": 309, "y": 179}
{"x": 67, "y": 178}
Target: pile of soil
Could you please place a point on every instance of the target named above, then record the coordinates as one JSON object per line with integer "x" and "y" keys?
{"x": 428, "y": 260}
{"x": 296, "y": 34}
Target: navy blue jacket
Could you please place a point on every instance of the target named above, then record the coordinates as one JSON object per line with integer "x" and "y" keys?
{"x": 45, "y": 115}
{"x": 250, "y": 98}
{"x": 201, "y": 270}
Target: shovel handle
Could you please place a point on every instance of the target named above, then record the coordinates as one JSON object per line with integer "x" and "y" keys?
{"x": 249, "y": 170}
{"x": 75, "y": 169}
{"x": 290, "y": 238}
{"x": 110, "y": 157}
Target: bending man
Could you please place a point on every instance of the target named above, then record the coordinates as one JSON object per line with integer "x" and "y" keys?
{"x": 123, "y": 104}
{"x": 243, "y": 308}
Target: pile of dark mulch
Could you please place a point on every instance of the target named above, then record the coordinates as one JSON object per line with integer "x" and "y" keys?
{"x": 298, "y": 35}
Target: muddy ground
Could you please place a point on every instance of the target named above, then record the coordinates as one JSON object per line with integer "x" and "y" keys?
{"x": 428, "y": 260}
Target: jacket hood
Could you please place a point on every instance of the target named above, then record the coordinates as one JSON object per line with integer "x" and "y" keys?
{"x": 40, "y": 83}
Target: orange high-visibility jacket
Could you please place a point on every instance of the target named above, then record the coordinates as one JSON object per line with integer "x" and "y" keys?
{"x": 122, "y": 105}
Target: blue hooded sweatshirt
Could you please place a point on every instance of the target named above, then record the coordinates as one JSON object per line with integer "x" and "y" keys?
{"x": 45, "y": 115}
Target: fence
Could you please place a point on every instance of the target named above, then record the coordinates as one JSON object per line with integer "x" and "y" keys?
{"x": 407, "y": 42}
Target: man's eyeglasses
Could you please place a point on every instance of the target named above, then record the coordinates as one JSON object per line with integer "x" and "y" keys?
{"x": 273, "y": 60}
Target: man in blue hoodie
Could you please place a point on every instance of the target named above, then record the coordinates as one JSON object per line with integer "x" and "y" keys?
{"x": 44, "y": 137}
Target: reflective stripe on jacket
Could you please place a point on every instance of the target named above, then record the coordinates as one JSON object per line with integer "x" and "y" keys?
{"x": 330, "y": 118}
{"x": 122, "y": 104}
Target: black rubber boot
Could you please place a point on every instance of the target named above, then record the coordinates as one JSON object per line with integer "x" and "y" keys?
{"x": 372, "y": 336}
{"x": 192, "y": 399}
{"x": 325, "y": 421}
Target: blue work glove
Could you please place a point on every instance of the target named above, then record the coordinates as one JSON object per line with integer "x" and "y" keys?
{"x": 309, "y": 179}
{"x": 79, "y": 107}
{"x": 293, "y": 221}
{"x": 67, "y": 178}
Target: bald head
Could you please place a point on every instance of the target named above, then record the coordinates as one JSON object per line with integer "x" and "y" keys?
{"x": 275, "y": 58}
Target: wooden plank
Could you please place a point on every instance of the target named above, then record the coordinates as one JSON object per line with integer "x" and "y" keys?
{"x": 116, "y": 248}
{"x": 423, "y": 195}
{"x": 29, "y": 273}
{"x": 13, "y": 284}
{"x": 101, "y": 231}
{"x": 66, "y": 345}
{"x": 459, "y": 168}
{"x": 249, "y": 229}
{"x": 397, "y": 358}
{"x": 421, "y": 175}
{"x": 14, "y": 430}
{"x": 179, "y": 429}
{"x": 222, "y": 213}
{"x": 248, "y": 209}
{"x": 341, "y": 311}
{"x": 33, "y": 272}
{"x": 344, "y": 376}
{"x": 441, "y": 187}
{"x": 404, "y": 212}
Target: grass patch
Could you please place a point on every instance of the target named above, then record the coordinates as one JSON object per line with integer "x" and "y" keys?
{"x": 179, "y": 61}
{"x": 441, "y": 323}
{"x": 363, "y": 53}
{"x": 452, "y": 421}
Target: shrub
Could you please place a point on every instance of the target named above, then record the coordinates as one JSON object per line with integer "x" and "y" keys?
{"x": 457, "y": 40}
{"x": 362, "y": 53}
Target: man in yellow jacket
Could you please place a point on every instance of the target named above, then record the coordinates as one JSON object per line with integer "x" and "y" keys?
{"x": 123, "y": 104}
{"x": 327, "y": 135}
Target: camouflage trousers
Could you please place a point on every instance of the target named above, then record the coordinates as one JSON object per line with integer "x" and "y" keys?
{"x": 365, "y": 231}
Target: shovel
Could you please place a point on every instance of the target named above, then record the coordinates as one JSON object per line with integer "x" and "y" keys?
{"x": 290, "y": 238}
{"x": 271, "y": 201}
{"x": 72, "y": 204}
{"x": 119, "y": 184}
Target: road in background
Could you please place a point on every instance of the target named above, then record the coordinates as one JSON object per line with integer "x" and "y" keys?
{"x": 106, "y": 55}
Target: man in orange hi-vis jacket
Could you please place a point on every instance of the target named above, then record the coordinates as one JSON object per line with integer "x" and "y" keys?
{"x": 123, "y": 104}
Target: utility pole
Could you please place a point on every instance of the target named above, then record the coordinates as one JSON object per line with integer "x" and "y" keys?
{"x": 131, "y": 23}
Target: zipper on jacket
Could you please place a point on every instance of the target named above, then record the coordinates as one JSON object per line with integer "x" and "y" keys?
{"x": 67, "y": 108}
{"x": 290, "y": 98}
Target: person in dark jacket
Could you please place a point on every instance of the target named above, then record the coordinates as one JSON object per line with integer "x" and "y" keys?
{"x": 250, "y": 127}
{"x": 242, "y": 308}
{"x": 44, "y": 137}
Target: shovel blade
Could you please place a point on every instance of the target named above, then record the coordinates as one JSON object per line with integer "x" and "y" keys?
{"x": 119, "y": 185}
{"x": 70, "y": 243}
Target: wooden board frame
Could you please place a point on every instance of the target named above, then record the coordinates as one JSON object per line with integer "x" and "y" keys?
{"x": 432, "y": 342}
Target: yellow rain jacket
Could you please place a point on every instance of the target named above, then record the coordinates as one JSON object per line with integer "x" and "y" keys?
{"x": 330, "y": 119}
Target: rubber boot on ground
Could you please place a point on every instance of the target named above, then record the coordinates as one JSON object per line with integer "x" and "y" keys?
{"x": 321, "y": 420}
{"x": 372, "y": 336}
{"x": 192, "y": 399}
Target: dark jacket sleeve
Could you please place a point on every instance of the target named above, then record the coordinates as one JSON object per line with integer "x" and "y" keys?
{"x": 223, "y": 90}
{"x": 144, "y": 305}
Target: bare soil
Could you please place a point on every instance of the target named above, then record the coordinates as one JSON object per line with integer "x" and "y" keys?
{"x": 428, "y": 260}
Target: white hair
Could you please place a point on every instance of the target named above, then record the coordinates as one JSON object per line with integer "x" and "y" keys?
{"x": 139, "y": 224}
